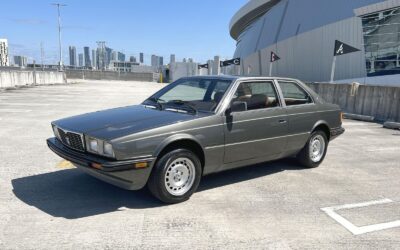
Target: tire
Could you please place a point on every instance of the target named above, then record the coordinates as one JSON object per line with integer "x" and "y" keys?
{"x": 175, "y": 176}
{"x": 314, "y": 151}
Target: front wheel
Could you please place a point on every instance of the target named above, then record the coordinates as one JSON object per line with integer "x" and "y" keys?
{"x": 175, "y": 176}
{"x": 314, "y": 151}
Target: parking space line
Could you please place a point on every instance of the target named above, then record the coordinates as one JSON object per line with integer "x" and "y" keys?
{"x": 15, "y": 110}
{"x": 330, "y": 211}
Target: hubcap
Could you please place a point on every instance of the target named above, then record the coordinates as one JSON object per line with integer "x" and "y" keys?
{"x": 179, "y": 177}
{"x": 317, "y": 148}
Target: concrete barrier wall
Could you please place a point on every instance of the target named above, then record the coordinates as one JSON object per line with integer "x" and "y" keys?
{"x": 382, "y": 103}
{"x": 10, "y": 78}
{"x": 112, "y": 75}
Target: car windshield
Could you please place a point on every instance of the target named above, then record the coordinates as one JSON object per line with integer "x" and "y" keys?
{"x": 190, "y": 95}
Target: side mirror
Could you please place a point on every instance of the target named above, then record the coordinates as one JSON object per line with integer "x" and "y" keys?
{"x": 237, "y": 107}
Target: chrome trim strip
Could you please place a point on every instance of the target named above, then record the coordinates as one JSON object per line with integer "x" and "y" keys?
{"x": 259, "y": 140}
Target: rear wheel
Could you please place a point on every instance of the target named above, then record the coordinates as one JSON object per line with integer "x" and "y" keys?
{"x": 314, "y": 151}
{"x": 175, "y": 176}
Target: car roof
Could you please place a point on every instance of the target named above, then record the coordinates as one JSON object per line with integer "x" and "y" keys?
{"x": 230, "y": 77}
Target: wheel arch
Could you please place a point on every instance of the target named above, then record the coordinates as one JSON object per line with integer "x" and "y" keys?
{"x": 322, "y": 125}
{"x": 181, "y": 141}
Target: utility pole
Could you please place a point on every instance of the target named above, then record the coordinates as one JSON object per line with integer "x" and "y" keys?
{"x": 59, "y": 33}
{"x": 42, "y": 55}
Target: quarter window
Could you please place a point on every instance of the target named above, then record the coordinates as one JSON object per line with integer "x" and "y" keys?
{"x": 294, "y": 94}
{"x": 257, "y": 95}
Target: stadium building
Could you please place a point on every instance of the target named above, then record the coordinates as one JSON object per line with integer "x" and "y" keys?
{"x": 303, "y": 34}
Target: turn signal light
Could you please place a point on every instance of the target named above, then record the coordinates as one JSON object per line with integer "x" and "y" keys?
{"x": 96, "y": 165}
{"x": 141, "y": 165}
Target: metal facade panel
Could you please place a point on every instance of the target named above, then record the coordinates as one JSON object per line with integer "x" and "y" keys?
{"x": 309, "y": 55}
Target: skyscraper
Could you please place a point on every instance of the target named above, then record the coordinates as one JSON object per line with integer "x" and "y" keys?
{"x": 141, "y": 57}
{"x": 4, "y": 53}
{"x": 108, "y": 57}
{"x": 132, "y": 59}
{"x": 172, "y": 58}
{"x": 94, "y": 59}
{"x": 160, "y": 61}
{"x": 114, "y": 56}
{"x": 72, "y": 56}
{"x": 86, "y": 51}
{"x": 121, "y": 57}
{"x": 80, "y": 58}
{"x": 154, "y": 61}
{"x": 21, "y": 61}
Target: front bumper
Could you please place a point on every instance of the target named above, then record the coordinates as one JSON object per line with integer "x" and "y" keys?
{"x": 335, "y": 132}
{"x": 119, "y": 173}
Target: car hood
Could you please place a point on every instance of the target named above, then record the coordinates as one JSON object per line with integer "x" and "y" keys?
{"x": 114, "y": 123}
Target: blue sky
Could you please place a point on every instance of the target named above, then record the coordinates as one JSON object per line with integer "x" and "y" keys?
{"x": 188, "y": 28}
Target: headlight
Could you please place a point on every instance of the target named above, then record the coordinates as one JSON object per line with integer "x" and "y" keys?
{"x": 108, "y": 150}
{"x": 93, "y": 145}
{"x": 56, "y": 133}
{"x": 99, "y": 147}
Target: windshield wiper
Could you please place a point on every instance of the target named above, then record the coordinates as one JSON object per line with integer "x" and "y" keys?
{"x": 157, "y": 102}
{"x": 184, "y": 103}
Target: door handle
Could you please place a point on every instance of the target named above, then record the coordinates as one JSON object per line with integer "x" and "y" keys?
{"x": 282, "y": 121}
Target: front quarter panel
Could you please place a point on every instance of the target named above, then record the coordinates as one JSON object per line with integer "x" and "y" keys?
{"x": 206, "y": 131}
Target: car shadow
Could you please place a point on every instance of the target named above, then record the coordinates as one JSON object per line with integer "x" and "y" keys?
{"x": 72, "y": 194}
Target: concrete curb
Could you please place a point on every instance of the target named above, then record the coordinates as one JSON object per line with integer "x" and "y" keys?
{"x": 364, "y": 118}
{"x": 392, "y": 125}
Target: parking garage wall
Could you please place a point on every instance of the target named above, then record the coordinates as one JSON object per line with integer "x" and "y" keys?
{"x": 15, "y": 78}
{"x": 382, "y": 103}
{"x": 112, "y": 75}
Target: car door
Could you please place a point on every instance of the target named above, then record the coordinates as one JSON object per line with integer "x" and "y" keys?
{"x": 300, "y": 110}
{"x": 259, "y": 130}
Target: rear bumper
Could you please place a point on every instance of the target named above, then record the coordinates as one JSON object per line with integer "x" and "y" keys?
{"x": 335, "y": 132}
{"x": 119, "y": 173}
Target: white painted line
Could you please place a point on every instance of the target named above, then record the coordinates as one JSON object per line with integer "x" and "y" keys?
{"x": 16, "y": 110}
{"x": 364, "y": 229}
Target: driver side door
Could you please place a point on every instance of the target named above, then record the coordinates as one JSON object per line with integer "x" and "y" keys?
{"x": 261, "y": 129}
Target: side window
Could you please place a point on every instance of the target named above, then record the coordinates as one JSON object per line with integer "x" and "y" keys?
{"x": 294, "y": 94}
{"x": 257, "y": 95}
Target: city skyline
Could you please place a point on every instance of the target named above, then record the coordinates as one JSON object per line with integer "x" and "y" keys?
{"x": 143, "y": 30}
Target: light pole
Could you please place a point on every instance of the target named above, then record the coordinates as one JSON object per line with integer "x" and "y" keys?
{"x": 59, "y": 32}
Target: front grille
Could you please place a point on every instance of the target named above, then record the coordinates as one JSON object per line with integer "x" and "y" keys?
{"x": 72, "y": 140}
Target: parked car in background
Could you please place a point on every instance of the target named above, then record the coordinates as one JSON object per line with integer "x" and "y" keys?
{"x": 197, "y": 126}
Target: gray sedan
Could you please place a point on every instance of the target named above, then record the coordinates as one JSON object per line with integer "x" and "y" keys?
{"x": 198, "y": 126}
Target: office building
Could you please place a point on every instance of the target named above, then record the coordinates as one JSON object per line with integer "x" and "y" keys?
{"x": 4, "y": 61}
{"x": 86, "y": 54}
{"x": 155, "y": 61}
{"x": 172, "y": 58}
{"x": 141, "y": 57}
{"x": 94, "y": 59}
{"x": 72, "y": 56}
{"x": 121, "y": 57}
{"x": 20, "y": 61}
{"x": 80, "y": 59}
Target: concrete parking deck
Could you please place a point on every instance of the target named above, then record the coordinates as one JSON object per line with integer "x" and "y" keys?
{"x": 47, "y": 204}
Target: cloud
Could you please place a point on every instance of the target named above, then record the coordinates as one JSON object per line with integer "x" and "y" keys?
{"x": 28, "y": 21}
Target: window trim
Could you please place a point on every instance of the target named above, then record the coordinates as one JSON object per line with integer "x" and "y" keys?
{"x": 236, "y": 86}
{"x": 300, "y": 86}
